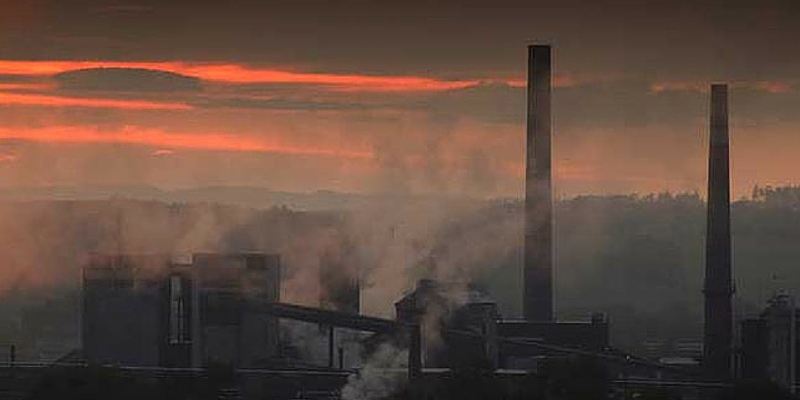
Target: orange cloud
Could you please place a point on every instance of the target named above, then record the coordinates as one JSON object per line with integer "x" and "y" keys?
{"x": 26, "y": 86}
{"x": 57, "y": 101}
{"x": 238, "y": 74}
{"x": 162, "y": 152}
{"x": 703, "y": 86}
{"x": 161, "y": 139}
{"x": 558, "y": 81}
{"x": 773, "y": 86}
{"x": 672, "y": 86}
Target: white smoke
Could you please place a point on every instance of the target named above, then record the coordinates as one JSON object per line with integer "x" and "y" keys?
{"x": 382, "y": 375}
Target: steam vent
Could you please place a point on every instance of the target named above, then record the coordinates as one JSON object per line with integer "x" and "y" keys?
{"x": 718, "y": 282}
{"x": 538, "y": 270}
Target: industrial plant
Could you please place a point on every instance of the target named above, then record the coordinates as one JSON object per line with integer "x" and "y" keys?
{"x": 149, "y": 315}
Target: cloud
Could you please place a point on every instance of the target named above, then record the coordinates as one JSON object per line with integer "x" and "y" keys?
{"x": 773, "y": 86}
{"x": 702, "y": 86}
{"x": 240, "y": 74}
{"x": 495, "y": 102}
{"x": 676, "y": 86}
{"x": 27, "y": 99}
{"x": 25, "y": 86}
{"x": 126, "y": 80}
{"x": 279, "y": 103}
{"x": 559, "y": 81}
{"x": 161, "y": 139}
{"x": 112, "y": 9}
{"x": 162, "y": 152}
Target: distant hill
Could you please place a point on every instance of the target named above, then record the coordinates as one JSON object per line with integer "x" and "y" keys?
{"x": 638, "y": 258}
{"x": 245, "y": 196}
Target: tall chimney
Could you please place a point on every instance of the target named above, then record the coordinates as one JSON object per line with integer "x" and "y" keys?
{"x": 718, "y": 288}
{"x": 538, "y": 272}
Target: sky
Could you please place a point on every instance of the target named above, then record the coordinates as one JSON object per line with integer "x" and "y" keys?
{"x": 401, "y": 97}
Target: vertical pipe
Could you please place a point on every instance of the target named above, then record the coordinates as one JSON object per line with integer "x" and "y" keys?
{"x": 341, "y": 357}
{"x": 718, "y": 288}
{"x": 198, "y": 331}
{"x": 792, "y": 346}
{"x": 538, "y": 270}
{"x": 414, "y": 351}
{"x": 331, "y": 344}
{"x": 13, "y": 360}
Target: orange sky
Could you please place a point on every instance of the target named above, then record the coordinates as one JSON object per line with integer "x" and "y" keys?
{"x": 63, "y": 101}
{"x": 421, "y": 97}
{"x": 160, "y": 139}
{"x": 375, "y": 122}
{"x": 234, "y": 73}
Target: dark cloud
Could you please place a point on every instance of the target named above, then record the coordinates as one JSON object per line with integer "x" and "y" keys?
{"x": 613, "y": 104}
{"x": 673, "y": 38}
{"x": 279, "y": 104}
{"x": 498, "y": 103}
{"x": 122, "y": 8}
{"x": 6, "y": 78}
{"x": 126, "y": 80}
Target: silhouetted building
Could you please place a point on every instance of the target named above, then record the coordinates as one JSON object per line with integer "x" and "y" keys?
{"x": 688, "y": 347}
{"x": 589, "y": 335}
{"x": 471, "y": 331}
{"x": 653, "y": 348}
{"x": 718, "y": 287}
{"x": 770, "y": 343}
{"x": 124, "y": 303}
{"x": 149, "y": 311}
{"x": 754, "y": 355}
{"x": 538, "y": 269}
{"x": 684, "y": 348}
{"x": 452, "y": 334}
{"x": 472, "y": 336}
{"x": 228, "y": 331}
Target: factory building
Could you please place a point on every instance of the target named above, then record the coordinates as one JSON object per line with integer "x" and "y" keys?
{"x": 462, "y": 327}
{"x": 149, "y": 311}
{"x": 452, "y": 334}
{"x": 769, "y": 343}
{"x": 124, "y": 299}
{"x": 589, "y": 335}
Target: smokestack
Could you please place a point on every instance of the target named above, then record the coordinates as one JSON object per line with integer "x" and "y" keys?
{"x": 538, "y": 271}
{"x": 718, "y": 287}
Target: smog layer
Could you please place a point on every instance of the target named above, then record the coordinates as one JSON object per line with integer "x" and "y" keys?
{"x": 638, "y": 258}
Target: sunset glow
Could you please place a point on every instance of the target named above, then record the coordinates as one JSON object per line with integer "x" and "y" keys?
{"x": 57, "y": 101}
{"x": 429, "y": 107}
{"x": 161, "y": 139}
{"x": 239, "y": 74}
